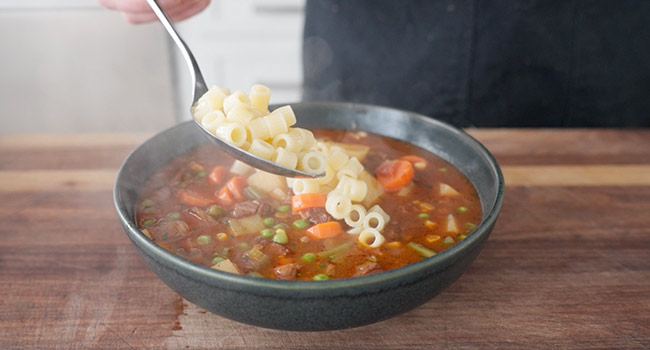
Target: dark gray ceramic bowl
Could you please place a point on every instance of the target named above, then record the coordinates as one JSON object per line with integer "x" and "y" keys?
{"x": 313, "y": 305}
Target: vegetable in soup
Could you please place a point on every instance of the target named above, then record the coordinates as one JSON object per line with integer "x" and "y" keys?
{"x": 383, "y": 204}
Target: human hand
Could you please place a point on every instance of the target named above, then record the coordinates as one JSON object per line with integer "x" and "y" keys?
{"x": 138, "y": 11}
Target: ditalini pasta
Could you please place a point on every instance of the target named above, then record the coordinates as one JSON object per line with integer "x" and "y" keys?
{"x": 246, "y": 122}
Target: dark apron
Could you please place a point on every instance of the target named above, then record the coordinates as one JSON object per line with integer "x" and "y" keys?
{"x": 485, "y": 63}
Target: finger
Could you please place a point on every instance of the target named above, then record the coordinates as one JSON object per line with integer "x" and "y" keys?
{"x": 141, "y": 6}
{"x": 175, "y": 15}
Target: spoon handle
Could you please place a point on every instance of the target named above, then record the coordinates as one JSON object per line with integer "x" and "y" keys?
{"x": 200, "y": 87}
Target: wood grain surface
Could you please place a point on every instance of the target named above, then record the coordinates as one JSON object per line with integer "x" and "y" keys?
{"x": 567, "y": 265}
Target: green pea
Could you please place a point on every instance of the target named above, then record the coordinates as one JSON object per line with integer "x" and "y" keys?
{"x": 423, "y": 216}
{"x": 201, "y": 174}
{"x": 283, "y": 208}
{"x": 268, "y": 222}
{"x": 148, "y": 222}
{"x": 308, "y": 257}
{"x": 174, "y": 215}
{"x": 243, "y": 245}
{"x": 203, "y": 239}
{"x": 282, "y": 226}
{"x": 267, "y": 233}
{"x": 462, "y": 210}
{"x": 217, "y": 259}
{"x": 216, "y": 211}
{"x": 321, "y": 277}
{"x": 147, "y": 203}
{"x": 300, "y": 223}
{"x": 280, "y": 237}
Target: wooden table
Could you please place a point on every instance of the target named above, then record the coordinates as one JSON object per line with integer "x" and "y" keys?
{"x": 567, "y": 265}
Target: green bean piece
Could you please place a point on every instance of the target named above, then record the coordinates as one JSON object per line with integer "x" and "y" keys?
{"x": 308, "y": 257}
{"x": 267, "y": 233}
{"x": 201, "y": 174}
{"x": 268, "y": 222}
{"x": 217, "y": 259}
{"x": 283, "y": 208}
{"x": 462, "y": 209}
{"x": 203, "y": 239}
{"x": 321, "y": 277}
{"x": 420, "y": 249}
{"x": 280, "y": 237}
{"x": 335, "y": 250}
{"x": 147, "y": 203}
{"x": 148, "y": 222}
{"x": 300, "y": 223}
{"x": 423, "y": 216}
{"x": 216, "y": 211}
{"x": 174, "y": 215}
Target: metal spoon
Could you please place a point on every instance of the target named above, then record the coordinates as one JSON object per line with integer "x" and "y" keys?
{"x": 201, "y": 88}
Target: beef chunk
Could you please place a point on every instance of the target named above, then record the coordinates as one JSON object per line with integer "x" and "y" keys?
{"x": 367, "y": 268}
{"x": 201, "y": 215}
{"x": 315, "y": 215}
{"x": 254, "y": 259}
{"x": 275, "y": 249}
{"x": 168, "y": 230}
{"x": 286, "y": 271}
{"x": 248, "y": 208}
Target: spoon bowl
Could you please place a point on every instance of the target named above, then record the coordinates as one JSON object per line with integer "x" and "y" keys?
{"x": 200, "y": 88}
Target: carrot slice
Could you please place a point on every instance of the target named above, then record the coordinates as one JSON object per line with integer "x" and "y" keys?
{"x": 193, "y": 199}
{"x": 224, "y": 197}
{"x": 236, "y": 187}
{"x": 325, "y": 230}
{"x": 394, "y": 174}
{"x": 217, "y": 175}
{"x": 308, "y": 200}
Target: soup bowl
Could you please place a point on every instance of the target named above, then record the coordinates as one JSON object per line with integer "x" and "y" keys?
{"x": 318, "y": 305}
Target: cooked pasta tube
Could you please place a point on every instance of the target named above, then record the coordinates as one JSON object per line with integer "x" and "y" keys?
{"x": 286, "y": 158}
{"x": 355, "y": 216}
{"x": 355, "y": 189}
{"x": 232, "y": 133}
{"x": 237, "y": 97}
{"x": 262, "y": 149}
{"x": 259, "y": 96}
{"x": 300, "y": 186}
{"x": 351, "y": 168}
{"x": 212, "y": 120}
{"x": 275, "y": 123}
{"x": 337, "y": 157}
{"x": 338, "y": 205}
{"x": 313, "y": 162}
{"x": 373, "y": 220}
{"x": 371, "y": 238}
{"x": 291, "y": 141}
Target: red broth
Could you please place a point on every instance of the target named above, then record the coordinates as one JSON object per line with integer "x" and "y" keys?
{"x": 182, "y": 208}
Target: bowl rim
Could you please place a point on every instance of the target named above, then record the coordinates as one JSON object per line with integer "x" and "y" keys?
{"x": 336, "y": 286}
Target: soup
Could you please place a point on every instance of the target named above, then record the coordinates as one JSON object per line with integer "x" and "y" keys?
{"x": 212, "y": 210}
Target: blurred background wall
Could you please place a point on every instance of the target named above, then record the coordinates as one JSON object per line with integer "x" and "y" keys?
{"x": 72, "y": 66}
